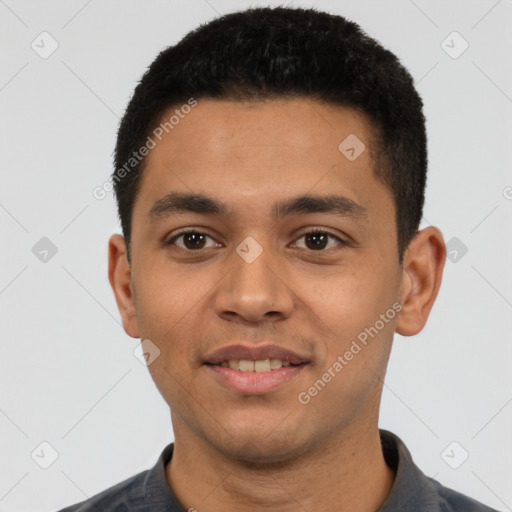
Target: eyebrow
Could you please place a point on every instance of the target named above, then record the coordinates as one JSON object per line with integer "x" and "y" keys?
{"x": 179, "y": 202}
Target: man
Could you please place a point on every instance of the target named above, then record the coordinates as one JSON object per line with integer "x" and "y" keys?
{"x": 270, "y": 177}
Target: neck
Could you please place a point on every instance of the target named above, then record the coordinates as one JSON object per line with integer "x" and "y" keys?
{"x": 346, "y": 473}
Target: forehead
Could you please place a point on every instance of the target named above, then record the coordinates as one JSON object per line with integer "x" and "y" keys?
{"x": 259, "y": 152}
{"x": 295, "y": 126}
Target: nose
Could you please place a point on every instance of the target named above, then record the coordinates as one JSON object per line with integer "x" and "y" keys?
{"x": 254, "y": 291}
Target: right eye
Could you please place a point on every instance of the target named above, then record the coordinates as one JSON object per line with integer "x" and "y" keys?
{"x": 190, "y": 241}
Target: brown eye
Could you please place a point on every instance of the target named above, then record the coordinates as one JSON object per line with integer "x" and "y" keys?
{"x": 190, "y": 241}
{"x": 316, "y": 240}
{"x": 194, "y": 240}
{"x": 319, "y": 240}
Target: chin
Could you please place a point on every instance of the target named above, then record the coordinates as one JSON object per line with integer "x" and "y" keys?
{"x": 253, "y": 455}
{"x": 255, "y": 447}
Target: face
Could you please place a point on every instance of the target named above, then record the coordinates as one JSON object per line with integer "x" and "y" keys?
{"x": 251, "y": 272}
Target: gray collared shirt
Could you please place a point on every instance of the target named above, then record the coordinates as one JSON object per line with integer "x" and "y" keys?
{"x": 412, "y": 490}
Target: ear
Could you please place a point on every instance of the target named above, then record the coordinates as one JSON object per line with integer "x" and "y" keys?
{"x": 423, "y": 266}
{"x": 119, "y": 275}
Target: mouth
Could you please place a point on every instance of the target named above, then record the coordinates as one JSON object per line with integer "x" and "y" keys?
{"x": 263, "y": 365}
{"x": 254, "y": 370}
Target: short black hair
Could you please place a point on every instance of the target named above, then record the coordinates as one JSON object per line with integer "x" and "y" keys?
{"x": 265, "y": 53}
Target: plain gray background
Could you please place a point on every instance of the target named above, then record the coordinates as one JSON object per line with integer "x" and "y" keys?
{"x": 68, "y": 373}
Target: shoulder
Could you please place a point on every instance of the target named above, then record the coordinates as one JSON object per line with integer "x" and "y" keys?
{"x": 138, "y": 493}
{"x": 454, "y": 501}
{"x": 413, "y": 490}
{"x": 124, "y": 496}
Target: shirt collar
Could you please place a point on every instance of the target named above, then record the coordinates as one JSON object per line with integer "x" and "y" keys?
{"x": 411, "y": 490}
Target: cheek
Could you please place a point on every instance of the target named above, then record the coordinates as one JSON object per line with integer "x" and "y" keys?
{"x": 164, "y": 296}
{"x": 347, "y": 300}
{"x": 356, "y": 311}
{"x": 172, "y": 313}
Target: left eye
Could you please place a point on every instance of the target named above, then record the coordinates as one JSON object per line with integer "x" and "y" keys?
{"x": 319, "y": 240}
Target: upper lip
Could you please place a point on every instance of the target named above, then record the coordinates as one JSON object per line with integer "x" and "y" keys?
{"x": 259, "y": 353}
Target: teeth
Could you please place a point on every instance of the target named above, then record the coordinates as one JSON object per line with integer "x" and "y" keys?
{"x": 262, "y": 366}
{"x": 265, "y": 365}
{"x": 246, "y": 366}
{"x": 275, "y": 364}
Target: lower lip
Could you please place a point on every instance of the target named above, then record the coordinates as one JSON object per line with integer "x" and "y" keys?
{"x": 255, "y": 383}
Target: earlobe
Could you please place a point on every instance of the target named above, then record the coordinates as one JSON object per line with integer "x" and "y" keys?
{"x": 119, "y": 275}
{"x": 423, "y": 267}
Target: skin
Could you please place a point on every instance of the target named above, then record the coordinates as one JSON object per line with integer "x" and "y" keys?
{"x": 235, "y": 451}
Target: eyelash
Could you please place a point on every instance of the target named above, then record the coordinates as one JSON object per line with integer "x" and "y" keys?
{"x": 310, "y": 231}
